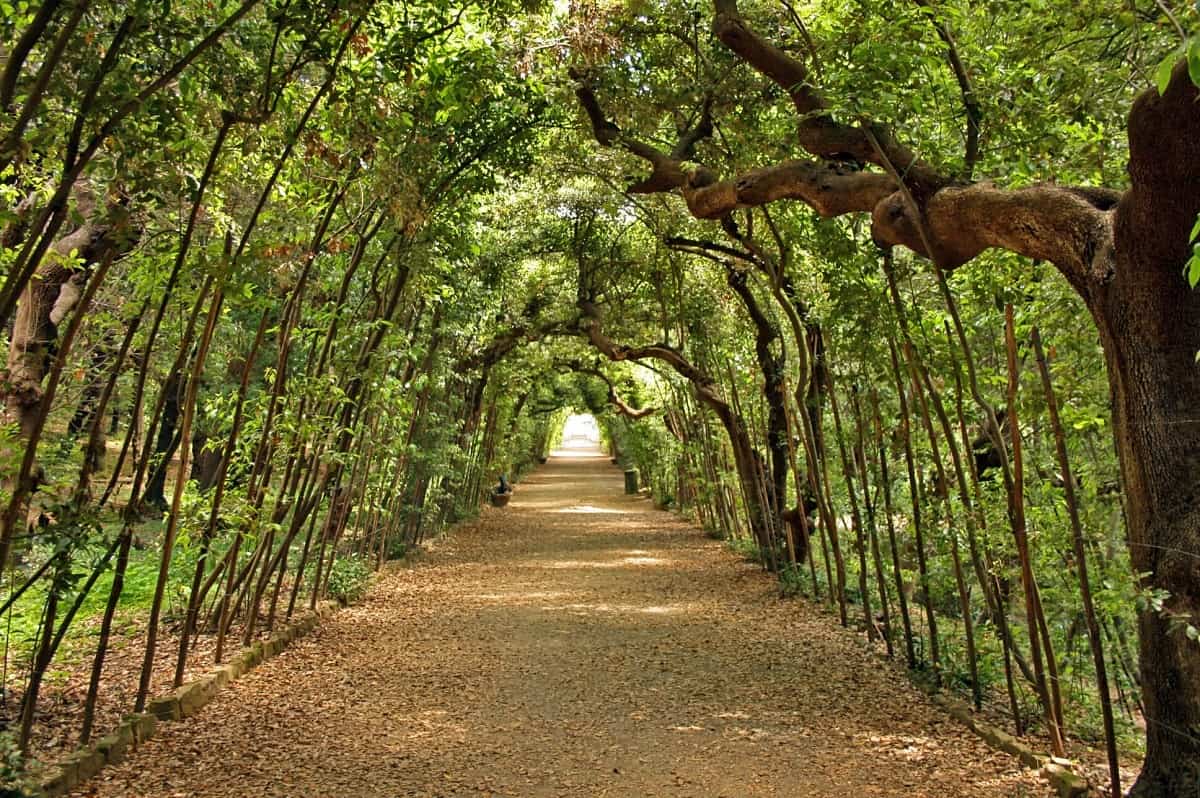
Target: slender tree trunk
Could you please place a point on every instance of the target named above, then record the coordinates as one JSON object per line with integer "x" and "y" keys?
{"x": 1085, "y": 590}
{"x": 168, "y": 542}
{"x": 918, "y": 527}
{"x": 1017, "y": 513}
{"x": 943, "y": 492}
{"x": 41, "y": 663}
{"x": 889, "y": 516}
{"x": 855, "y": 515}
{"x": 860, "y": 460}
{"x": 210, "y": 529}
{"x": 167, "y": 443}
{"x": 771, "y": 363}
{"x": 110, "y": 611}
{"x": 94, "y": 448}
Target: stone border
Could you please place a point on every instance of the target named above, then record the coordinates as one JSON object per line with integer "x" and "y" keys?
{"x": 182, "y": 702}
{"x": 1058, "y": 772}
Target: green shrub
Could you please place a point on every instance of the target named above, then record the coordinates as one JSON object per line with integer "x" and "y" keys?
{"x": 746, "y": 548}
{"x": 15, "y": 781}
{"x": 791, "y": 580}
{"x": 397, "y": 547}
{"x": 348, "y": 579}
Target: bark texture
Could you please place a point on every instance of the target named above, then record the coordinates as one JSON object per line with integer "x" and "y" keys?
{"x": 1149, "y": 322}
{"x": 1123, "y": 252}
{"x": 49, "y": 300}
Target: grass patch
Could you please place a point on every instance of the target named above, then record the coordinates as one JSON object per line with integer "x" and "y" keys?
{"x": 746, "y": 548}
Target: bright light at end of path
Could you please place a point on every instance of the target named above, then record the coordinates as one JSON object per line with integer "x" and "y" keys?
{"x": 581, "y": 428}
{"x": 581, "y": 436}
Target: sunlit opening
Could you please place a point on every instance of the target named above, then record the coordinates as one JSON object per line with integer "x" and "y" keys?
{"x": 580, "y": 431}
{"x": 580, "y": 437}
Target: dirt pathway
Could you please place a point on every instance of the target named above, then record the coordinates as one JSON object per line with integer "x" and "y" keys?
{"x": 576, "y": 643}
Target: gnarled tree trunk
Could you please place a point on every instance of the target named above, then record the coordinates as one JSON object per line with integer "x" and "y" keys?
{"x": 1149, "y": 322}
{"x": 748, "y": 462}
{"x": 1123, "y": 252}
{"x": 47, "y": 301}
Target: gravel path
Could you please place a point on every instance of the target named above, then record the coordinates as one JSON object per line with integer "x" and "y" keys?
{"x": 575, "y": 643}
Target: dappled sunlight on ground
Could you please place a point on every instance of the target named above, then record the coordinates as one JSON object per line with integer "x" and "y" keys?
{"x": 618, "y": 608}
{"x": 588, "y": 508}
{"x": 574, "y": 644}
{"x": 557, "y": 506}
{"x": 624, "y": 562}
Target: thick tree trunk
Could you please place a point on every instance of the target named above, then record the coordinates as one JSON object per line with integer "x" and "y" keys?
{"x": 1151, "y": 348}
{"x": 206, "y": 461}
{"x": 1149, "y": 322}
{"x": 50, "y": 299}
{"x": 29, "y": 349}
{"x": 1151, "y": 338}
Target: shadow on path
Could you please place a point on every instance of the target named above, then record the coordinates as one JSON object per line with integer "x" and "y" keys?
{"x": 575, "y": 643}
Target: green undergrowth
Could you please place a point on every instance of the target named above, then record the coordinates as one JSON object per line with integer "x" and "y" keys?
{"x": 1084, "y": 717}
{"x": 21, "y": 624}
{"x": 746, "y": 548}
{"x": 349, "y": 578}
{"x": 15, "y": 778}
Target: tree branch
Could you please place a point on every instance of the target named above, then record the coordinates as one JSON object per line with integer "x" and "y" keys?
{"x": 667, "y": 173}
{"x": 829, "y": 189}
{"x": 510, "y": 339}
{"x": 1045, "y": 222}
{"x": 696, "y": 247}
{"x": 911, "y": 204}
{"x": 818, "y": 132}
{"x": 620, "y": 405}
{"x": 590, "y": 325}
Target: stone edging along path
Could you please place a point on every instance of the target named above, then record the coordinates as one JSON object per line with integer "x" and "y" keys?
{"x": 182, "y": 702}
{"x": 189, "y": 699}
{"x": 1058, "y": 772}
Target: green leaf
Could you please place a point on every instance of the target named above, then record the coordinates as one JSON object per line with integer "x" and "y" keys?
{"x": 1193, "y": 59}
{"x": 1162, "y": 75}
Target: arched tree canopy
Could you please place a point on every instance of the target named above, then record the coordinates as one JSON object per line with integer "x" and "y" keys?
{"x": 897, "y": 297}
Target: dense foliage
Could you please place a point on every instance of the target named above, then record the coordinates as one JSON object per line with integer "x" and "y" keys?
{"x": 289, "y": 285}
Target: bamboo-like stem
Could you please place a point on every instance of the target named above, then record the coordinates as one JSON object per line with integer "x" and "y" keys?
{"x": 860, "y": 460}
{"x": 964, "y": 602}
{"x": 1017, "y": 514}
{"x": 918, "y": 527}
{"x": 168, "y": 543}
{"x": 885, "y": 481}
{"x": 1085, "y": 588}
{"x": 855, "y": 515}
